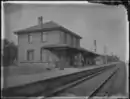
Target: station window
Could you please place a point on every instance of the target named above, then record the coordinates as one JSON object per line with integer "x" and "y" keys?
{"x": 44, "y": 55}
{"x": 29, "y": 38}
{"x": 65, "y": 37}
{"x": 30, "y": 55}
{"x": 43, "y": 36}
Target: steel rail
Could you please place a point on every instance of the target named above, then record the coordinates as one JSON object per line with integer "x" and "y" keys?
{"x": 97, "y": 90}
{"x": 72, "y": 84}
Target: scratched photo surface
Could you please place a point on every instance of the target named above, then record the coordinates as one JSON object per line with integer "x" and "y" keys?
{"x": 64, "y": 50}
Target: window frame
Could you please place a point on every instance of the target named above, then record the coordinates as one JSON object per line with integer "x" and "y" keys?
{"x": 28, "y": 51}
{"x": 77, "y": 42}
{"x": 30, "y": 40}
{"x": 41, "y": 54}
{"x": 72, "y": 40}
{"x": 65, "y": 38}
{"x": 43, "y": 33}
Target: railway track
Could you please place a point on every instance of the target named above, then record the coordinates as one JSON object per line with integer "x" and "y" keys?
{"x": 55, "y": 86}
{"x": 70, "y": 85}
{"x": 60, "y": 91}
{"x": 97, "y": 90}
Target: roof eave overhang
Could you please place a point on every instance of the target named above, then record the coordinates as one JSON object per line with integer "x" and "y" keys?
{"x": 37, "y": 30}
{"x": 66, "y": 30}
{"x": 46, "y": 29}
{"x": 88, "y": 53}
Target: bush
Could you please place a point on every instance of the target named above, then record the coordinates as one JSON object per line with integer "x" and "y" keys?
{"x": 9, "y": 54}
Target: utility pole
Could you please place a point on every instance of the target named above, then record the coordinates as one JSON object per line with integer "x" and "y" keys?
{"x": 105, "y": 52}
{"x": 111, "y": 56}
{"x": 95, "y": 46}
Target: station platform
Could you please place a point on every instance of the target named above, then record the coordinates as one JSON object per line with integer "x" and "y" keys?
{"x": 18, "y": 80}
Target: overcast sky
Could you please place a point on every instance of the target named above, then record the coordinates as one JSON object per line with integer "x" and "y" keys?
{"x": 106, "y": 24}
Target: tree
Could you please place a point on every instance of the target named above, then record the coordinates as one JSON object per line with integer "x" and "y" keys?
{"x": 9, "y": 52}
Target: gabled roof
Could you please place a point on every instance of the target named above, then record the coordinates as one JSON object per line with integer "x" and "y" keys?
{"x": 44, "y": 27}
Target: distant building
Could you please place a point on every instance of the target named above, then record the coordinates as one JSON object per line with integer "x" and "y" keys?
{"x": 100, "y": 60}
{"x": 49, "y": 44}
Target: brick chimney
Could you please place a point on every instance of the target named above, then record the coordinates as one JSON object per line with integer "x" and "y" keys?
{"x": 40, "y": 20}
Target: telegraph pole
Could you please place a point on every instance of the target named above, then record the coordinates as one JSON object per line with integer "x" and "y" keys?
{"x": 105, "y": 52}
{"x": 95, "y": 46}
{"x": 111, "y": 56}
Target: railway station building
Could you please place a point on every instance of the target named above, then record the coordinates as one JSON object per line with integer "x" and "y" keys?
{"x": 50, "y": 44}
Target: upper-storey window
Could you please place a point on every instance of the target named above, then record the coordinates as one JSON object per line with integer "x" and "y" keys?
{"x": 29, "y": 38}
{"x": 77, "y": 42}
{"x": 65, "y": 37}
{"x": 72, "y": 41}
{"x": 43, "y": 36}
